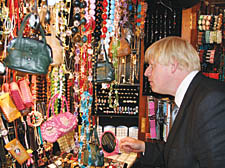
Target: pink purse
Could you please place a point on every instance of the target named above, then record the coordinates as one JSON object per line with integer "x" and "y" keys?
{"x": 26, "y": 93}
{"x": 66, "y": 120}
{"x": 50, "y": 128}
{"x": 16, "y": 95}
{"x": 58, "y": 125}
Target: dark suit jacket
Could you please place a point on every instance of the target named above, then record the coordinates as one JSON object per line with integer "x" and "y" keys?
{"x": 197, "y": 137}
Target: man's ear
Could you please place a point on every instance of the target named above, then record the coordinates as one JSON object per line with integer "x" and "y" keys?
{"x": 174, "y": 66}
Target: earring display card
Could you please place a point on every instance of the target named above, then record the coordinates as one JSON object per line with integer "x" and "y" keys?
{"x": 99, "y": 130}
{"x": 121, "y": 132}
{"x": 110, "y": 128}
{"x": 133, "y": 132}
{"x": 128, "y": 97}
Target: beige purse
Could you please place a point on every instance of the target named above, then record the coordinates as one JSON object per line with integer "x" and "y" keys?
{"x": 124, "y": 48}
{"x": 57, "y": 48}
{"x": 52, "y": 40}
{"x": 8, "y": 108}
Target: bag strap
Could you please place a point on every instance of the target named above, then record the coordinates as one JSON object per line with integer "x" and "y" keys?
{"x": 94, "y": 129}
{"x": 3, "y": 140}
{"x": 52, "y": 102}
{"x": 106, "y": 55}
{"x": 102, "y": 47}
{"x": 96, "y": 134}
{"x": 62, "y": 106}
{"x": 23, "y": 24}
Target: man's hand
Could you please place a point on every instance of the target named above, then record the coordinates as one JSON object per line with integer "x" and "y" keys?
{"x": 129, "y": 144}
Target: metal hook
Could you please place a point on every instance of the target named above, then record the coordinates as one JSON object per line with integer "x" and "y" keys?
{"x": 163, "y": 4}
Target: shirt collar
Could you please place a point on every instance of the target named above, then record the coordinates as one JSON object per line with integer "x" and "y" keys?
{"x": 183, "y": 88}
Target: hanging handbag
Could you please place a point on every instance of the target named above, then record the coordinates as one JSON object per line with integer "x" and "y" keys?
{"x": 67, "y": 121}
{"x": 63, "y": 122}
{"x": 50, "y": 128}
{"x": 124, "y": 46}
{"x": 27, "y": 54}
{"x": 8, "y": 108}
{"x": 57, "y": 48}
{"x": 52, "y": 40}
{"x": 17, "y": 150}
{"x": 97, "y": 155}
{"x": 104, "y": 69}
{"x": 26, "y": 93}
{"x": 16, "y": 96}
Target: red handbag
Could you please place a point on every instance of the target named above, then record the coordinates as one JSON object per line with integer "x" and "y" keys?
{"x": 16, "y": 96}
{"x": 26, "y": 93}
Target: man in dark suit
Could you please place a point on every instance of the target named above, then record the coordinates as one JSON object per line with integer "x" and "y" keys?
{"x": 197, "y": 136}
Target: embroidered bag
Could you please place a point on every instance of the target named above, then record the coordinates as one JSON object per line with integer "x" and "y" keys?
{"x": 17, "y": 150}
{"x": 67, "y": 121}
{"x": 50, "y": 128}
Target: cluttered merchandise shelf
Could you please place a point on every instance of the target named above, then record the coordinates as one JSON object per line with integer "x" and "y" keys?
{"x": 71, "y": 77}
{"x": 203, "y": 26}
{"x": 63, "y": 64}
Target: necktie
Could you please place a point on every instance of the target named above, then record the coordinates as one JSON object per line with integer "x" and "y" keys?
{"x": 173, "y": 115}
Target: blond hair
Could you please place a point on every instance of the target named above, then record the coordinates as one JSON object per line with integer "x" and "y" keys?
{"x": 169, "y": 49}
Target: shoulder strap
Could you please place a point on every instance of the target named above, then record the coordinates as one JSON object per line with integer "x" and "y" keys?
{"x": 94, "y": 130}
{"x": 52, "y": 100}
{"x": 23, "y": 24}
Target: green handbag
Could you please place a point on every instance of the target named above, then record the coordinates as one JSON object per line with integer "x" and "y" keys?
{"x": 27, "y": 54}
{"x": 105, "y": 71}
{"x": 97, "y": 155}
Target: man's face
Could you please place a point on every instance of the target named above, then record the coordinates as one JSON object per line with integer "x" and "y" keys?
{"x": 158, "y": 77}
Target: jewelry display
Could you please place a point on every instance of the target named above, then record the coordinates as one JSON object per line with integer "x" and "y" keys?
{"x": 127, "y": 99}
{"x": 159, "y": 115}
{"x": 210, "y": 45}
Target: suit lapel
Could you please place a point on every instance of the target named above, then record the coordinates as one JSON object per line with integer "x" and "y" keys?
{"x": 181, "y": 114}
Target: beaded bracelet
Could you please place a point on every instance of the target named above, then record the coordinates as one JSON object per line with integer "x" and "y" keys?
{"x": 34, "y": 119}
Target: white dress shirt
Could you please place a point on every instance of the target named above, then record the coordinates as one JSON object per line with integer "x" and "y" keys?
{"x": 183, "y": 88}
